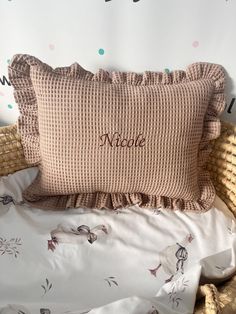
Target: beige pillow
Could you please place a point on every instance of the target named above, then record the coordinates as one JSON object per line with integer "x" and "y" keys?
{"x": 109, "y": 140}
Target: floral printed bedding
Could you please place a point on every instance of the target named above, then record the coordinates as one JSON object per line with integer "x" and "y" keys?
{"x": 132, "y": 260}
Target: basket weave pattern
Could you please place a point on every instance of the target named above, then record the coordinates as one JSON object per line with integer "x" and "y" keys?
{"x": 11, "y": 151}
{"x": 222, "y": 167}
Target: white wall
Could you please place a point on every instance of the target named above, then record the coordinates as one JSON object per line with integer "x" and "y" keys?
{"x": 147, "y": 35}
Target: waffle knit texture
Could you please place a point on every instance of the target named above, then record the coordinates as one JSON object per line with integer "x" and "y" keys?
{"x": 114, "y": 139}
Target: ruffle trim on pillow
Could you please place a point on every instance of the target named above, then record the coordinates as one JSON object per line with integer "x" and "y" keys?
{"x": 114, "y": 201}
{"x": 27, "y": 124}
{"x": 19, "y": 75}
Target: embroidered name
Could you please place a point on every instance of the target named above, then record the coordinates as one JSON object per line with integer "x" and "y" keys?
{"x": 115, "y": 140}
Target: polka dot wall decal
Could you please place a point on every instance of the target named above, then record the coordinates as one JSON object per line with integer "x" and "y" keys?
{"x": 195, "y": 44}
{"x": 51, "y": 46}
{"x": 9, "y": 106}
{"x": 101, "y": 51}
{"x": 167, "y": 70}
{"x": 8, "y": 61}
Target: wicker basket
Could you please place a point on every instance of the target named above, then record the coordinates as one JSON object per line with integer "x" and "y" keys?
{"x": 11, "y": 151}
{"x": 222, "y": 166}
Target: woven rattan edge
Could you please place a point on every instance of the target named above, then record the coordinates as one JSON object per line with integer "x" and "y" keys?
{"x": 11, "y": 151}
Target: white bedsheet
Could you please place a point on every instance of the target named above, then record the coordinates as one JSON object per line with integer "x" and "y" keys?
{"x": 91, "y": 261}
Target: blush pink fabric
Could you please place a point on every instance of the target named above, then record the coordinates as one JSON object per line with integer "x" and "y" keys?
{"x": 110, "y": 140}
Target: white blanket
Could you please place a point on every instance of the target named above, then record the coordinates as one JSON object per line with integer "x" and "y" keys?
{"x": 97, "y": 261}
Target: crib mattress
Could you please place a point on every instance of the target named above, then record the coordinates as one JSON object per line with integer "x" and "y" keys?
{"x": 136, "y": 261}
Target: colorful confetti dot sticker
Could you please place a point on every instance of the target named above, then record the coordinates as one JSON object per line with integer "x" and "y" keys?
{"x": 51, "y": 46}
{"x": 9, "y": 106}
{"x": 101, "y": 51}
{"x": 8, "y": 61}
{"x": 167, "y": 70}
{"x": 195, "y": 44}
